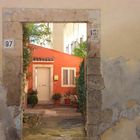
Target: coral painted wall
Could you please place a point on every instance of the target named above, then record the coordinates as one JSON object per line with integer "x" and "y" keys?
{"x": 60, "y": 60}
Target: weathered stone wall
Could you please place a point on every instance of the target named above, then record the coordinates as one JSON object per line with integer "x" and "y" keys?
{"x": 94, "y": 78}
{"x": 8, "y": 130}
{"x": 121, "y": 97}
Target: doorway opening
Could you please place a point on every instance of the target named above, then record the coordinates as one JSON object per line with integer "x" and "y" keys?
{"x": 56, "y": 52}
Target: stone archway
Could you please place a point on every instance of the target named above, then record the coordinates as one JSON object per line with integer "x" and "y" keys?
{"x": 12, "y": 58}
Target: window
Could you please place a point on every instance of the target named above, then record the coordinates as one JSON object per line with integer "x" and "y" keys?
{"x": 72, "y": 47}
{"x": 68, "y": 77}
{"x": 67, "y": 49}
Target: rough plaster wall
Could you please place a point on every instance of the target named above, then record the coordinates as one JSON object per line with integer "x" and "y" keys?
{"x": 122, "y": 96}
{"x": 0, "y": 45}
{"x": 122, "y": 81}
{"x": 123, "y": 130}
{"x": 7, "y": 126}
{"x": 120, "y": 36}
{"x": 120, "y": 21}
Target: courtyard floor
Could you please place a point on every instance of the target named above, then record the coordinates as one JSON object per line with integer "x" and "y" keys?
{"x": 56, "y": 123}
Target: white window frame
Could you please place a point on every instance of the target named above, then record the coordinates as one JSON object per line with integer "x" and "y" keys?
{"x": 67, "y": 68}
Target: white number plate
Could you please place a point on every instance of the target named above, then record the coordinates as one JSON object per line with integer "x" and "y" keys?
{"x": 9, "y": 43}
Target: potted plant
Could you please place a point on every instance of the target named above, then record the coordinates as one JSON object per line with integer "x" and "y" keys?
{"x": 32, "y": 98}
{"x": 67, "y": 99}
{"x": 56, "y": 98}
{"x": 74, "y": 101}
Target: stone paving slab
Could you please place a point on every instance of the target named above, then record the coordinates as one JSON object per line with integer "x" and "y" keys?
{"x": 60, "y": 123}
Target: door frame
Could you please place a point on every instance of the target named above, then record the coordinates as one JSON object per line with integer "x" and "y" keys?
{"x": 51, "y": 75}
{"x": 12, "y": 58}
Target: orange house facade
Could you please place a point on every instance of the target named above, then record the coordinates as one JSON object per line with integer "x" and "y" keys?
{"x": 52, "y": 72}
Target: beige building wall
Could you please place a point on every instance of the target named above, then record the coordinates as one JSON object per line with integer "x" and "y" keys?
{"x": 120, "y": 35}
{"x": 120, "y": 22}
{"x": 64, "y": 34}
{"x": 58, "y": 37}
{"x": 73, "y": 32}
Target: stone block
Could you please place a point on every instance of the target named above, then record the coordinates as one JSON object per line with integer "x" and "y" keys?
{"x": 93, "y": 116}
{"x": 93, "y": 50}
{"x": 95, "y": 82}
{"x": 94, "y": 62}
{"x": 14, "y": 92}
{"x": 18, "y": 46}
{"x": 12, "y": 134}
{"x": 13, "y": 30}
{"x": 12, "y": 63}
{"x": 92, "y": 130}
{"x": 93, "y": 66}
{"x": 94, "y": 99}
{"x": 12, "y": 78}
{"x": 2, "y": 133}
{"x": 138, "y": 129}
{"x": 7, "y": 117}
{"x": 51, "y": 15}
{"x": 3, "y": 94}
{"x": 93, "y": 70}
{"x": 16, "y": 114}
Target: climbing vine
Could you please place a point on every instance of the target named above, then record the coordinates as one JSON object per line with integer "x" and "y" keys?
{"x": 81, "y": 88}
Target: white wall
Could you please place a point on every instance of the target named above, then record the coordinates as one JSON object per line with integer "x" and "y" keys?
{"x": 58, "y": 37}
{"x": 73, "y": 32}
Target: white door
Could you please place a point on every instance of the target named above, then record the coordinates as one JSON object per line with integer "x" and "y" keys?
{"x": 43, "y": 84}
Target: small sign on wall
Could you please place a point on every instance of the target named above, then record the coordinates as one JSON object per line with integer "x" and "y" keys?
{"x": 95, "y": 34}
{"x": 9, "y": 43}
{"x": 56, "y": 77}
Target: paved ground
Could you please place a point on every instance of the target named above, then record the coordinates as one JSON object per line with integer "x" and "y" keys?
{"x": 57, "y": 123}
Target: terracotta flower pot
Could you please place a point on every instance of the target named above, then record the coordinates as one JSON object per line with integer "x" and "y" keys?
{"x": 75, "y": 105}
{"x": 57, "y": 102}
{"x": 67, "y": 101}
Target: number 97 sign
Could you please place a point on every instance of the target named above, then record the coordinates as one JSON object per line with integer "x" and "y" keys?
{"x": 8, "y": 43}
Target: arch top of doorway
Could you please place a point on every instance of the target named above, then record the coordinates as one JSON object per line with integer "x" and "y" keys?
{"x": 50, "y": 15}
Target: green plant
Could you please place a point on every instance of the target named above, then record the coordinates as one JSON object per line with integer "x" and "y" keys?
{"x": 67, "y": 95}
{"x": 80, "y": 50}
{"x": 81, "y": 91}
{"x": 32, "y": 98}
{"x": 74, "y": 103}
{"x": 27, "y": 57}
{"x": 40, "y": 33}
{"x": 56, "y": 96}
